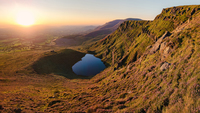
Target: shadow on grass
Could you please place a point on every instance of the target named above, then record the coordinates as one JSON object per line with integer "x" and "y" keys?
{"x": 59, "y": 63}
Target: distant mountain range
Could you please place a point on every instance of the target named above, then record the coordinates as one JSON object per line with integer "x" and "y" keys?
{"x": 96, "y": 34}
{"x": 108, "y": 28}
{"x": 113, "y": 25}
{"x": 151, "y": 67}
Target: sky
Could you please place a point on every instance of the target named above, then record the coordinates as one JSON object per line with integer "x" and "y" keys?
{"x": 84, "y": 12}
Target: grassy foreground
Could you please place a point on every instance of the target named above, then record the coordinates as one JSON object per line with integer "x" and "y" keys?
{"x": 33, "y": 80}
{"x": 153, "y": 67}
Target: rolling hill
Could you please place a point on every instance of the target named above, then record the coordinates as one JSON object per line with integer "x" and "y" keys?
{"x": 152, "y": 67}
{"x": 95, "y": 35}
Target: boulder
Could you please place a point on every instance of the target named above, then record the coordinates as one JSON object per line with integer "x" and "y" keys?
{"x": 166, "y": 51}
{"x": 163, "y": 45}
{"x": 165, "y": 66}
{"x": 156, "y": 46}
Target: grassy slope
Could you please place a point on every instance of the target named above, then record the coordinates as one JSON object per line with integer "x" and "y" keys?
{"x": 132, "y": 37}
{"x": 123, "y": 43}
{"x": 133, "y": 82}
{"x": 24, "y": 86}
{"x": 145, "y": 87}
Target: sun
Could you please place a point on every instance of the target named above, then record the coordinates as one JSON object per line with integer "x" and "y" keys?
{"x": 25, "y": 18}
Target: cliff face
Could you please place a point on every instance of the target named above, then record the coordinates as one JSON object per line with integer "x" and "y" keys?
{"x": 132, "y": 37}
{"x": 154, "y": 66}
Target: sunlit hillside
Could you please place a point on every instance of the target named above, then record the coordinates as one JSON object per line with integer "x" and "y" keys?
{"x": 149, "y": 66}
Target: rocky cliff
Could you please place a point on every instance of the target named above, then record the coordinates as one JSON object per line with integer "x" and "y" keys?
{"x": 153, "y": 66}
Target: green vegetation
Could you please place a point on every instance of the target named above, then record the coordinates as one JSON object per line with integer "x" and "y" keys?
{"x": 24, "y": 44}
{"x": 149, "y": 70}
{"x": 137, "y": 71}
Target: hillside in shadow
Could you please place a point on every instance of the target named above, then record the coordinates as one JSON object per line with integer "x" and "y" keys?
{"x": 152, "y": 67}
{"x": 59, "y": 63}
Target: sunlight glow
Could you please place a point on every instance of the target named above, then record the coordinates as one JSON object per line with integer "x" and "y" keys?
{"x": 25, "y": 18}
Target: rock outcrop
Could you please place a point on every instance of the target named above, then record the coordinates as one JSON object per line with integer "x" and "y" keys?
{"x": 162, "y": 72}
{"x": 165, "y": 66}
{"x": 157, "y": 45}
{"x": 164, "y": 50}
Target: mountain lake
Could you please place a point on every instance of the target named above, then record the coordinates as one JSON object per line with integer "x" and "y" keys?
{"x": 88, "y": 66}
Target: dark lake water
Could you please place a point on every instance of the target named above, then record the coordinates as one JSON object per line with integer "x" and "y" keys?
{"x": 88, "y": 66}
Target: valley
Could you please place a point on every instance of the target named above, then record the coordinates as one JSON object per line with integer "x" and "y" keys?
{"x": 151, "y": 67}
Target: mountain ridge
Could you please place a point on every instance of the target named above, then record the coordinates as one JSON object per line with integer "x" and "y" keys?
{"x": 95, "y": 35}
{"x": 114, "y": 23}
{"x": 152, "y": 67}
{"x": 153, "y": 63}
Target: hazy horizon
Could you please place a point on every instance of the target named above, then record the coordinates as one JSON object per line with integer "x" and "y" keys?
{"x": 79, "y": 12}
